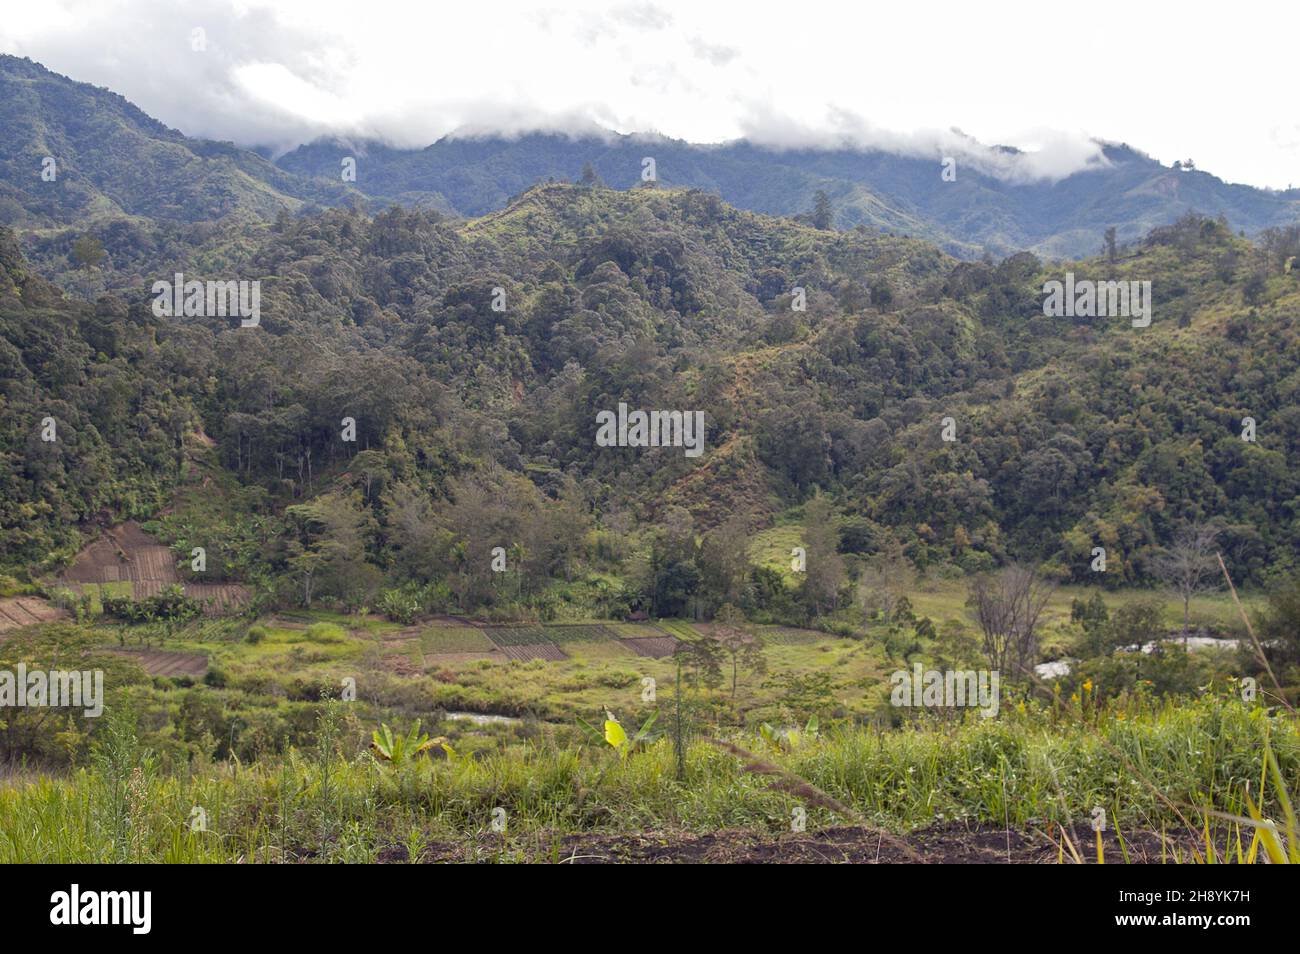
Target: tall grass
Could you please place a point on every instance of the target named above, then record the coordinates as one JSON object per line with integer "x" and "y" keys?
{"x": 1150, "y": 769}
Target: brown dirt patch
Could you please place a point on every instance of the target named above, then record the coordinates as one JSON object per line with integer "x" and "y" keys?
{"x": 403, "y": 665}
{"x": 27, "y": 611}
{"x": 529, "y": 651}
{"x": 157, "y": 662}
{"x": 849, "y": 844}
{"x": 656, "y": 647}
{"x": 126, "y": 554}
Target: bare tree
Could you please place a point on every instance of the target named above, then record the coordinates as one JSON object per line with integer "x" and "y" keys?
{"x": 1007, "y": 607}
{"x": 741, "y": 647}
{"x": 1189, "y": 565}
{"x": 887, "y": 578}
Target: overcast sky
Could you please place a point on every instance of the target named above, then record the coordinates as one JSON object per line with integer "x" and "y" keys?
{"x": 1174, "y": 80}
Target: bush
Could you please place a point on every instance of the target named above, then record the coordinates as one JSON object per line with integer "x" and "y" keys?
{"x": 170, "y": 604}
{"x": 400, "y": 604}
{"x": 325, "y": 633}
{"x": 255, "y": 634}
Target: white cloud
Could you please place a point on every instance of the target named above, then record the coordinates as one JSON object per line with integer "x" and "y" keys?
{"x": 1044, "y": 78}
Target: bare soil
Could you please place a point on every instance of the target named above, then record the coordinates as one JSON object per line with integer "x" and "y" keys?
{"x": 158, "y": 662}
{"x": 126, "y": 554}
{"x": 656, "y": 647}
{"x": 849, "y": 844}
{"x": 27, "y": 611}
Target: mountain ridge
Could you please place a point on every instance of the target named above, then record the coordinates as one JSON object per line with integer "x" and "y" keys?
{"x": 115, "y": 161}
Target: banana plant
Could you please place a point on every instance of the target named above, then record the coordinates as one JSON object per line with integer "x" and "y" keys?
{"x": 616, "y": 736}
{"x": 398, "y": 750}
{"x": 789, "y": 738}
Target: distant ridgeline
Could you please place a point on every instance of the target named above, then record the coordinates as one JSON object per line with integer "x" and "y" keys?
{"x": 72, "y": 154}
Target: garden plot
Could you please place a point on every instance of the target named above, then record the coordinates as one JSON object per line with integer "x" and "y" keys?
{"x": 26, "y": 611}
{"x": 656, "y": 647}
{"x": 581, "y": 633}
{"x": 442, "y": 639}
{"x": 126, "y": 555}
{"x": 525, "y": 642}
{"x": 789, "y": 636}
{"x": 156, "y": 662}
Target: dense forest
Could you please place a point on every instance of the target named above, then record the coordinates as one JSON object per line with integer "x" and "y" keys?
{"x": 474, "y": 355}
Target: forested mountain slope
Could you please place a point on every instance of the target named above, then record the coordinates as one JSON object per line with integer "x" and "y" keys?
{"x": 475, "y": 355}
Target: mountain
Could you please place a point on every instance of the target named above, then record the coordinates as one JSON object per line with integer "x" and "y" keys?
{"x": 111, "y": 160}
{"x": 977, "y": 212}
{"x": 114, "y": 162}
{"x": 475, "y": 422}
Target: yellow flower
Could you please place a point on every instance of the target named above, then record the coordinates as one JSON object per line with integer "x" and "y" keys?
{"x": 1087, "y": 685}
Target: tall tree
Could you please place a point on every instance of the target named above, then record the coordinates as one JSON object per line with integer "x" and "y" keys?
{"x": 823, "y": 214}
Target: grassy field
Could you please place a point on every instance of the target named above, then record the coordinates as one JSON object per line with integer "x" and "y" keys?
{"x": 282, "y": 773}
{"x": 1159, "y": 769}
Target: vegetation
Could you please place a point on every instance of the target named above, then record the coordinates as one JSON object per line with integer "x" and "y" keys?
{"x": 905, "y": 464}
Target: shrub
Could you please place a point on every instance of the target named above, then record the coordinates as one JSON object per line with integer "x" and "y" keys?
{"x": 255, "y": 634}
{"x": 325, "y": 633}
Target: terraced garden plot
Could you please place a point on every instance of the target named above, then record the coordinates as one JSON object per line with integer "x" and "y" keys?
{"x": 635, "y": 630}
{"x": 789, "y": 636}
{"x": 26, "y": 611}
{"x": 678, "y": 628}
{"x": 656, "y": 647}
{"x": 605, "y": 649}
{"x": 525, "y": 634}
{"x": 525, "y": 642}
{"x": 217, "y": 598}
{"x": 157, "y": 662}
{"x": 445, "y": 638}
{"x": 527, "y": 651}
{"x": 581, "y": 633}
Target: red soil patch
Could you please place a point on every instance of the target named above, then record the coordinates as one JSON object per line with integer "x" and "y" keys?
{"x": 403, "y": 666}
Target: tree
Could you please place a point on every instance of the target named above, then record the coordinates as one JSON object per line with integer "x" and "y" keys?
{"x": 740, "y": 647}
{"x": 1189, "y": 565}
{"x": 724, "y": 563}
{"x": 1111, "y": 246}
{"x": 1279, "y": 624}
{"x": 1007, "y": 607}
{"x": 823, "y": 216}
{"x": 589, "y": 175}
{"x": 328, "y": 543}
{"x": 886, "y": 578}
{"x": 87, "y": 251}
{"x": 824, "y": 567}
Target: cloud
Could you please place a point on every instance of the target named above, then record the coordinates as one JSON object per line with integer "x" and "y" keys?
{"x": 817, "y": 75}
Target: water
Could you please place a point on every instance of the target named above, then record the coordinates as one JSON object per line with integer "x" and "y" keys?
{"x": 1061, "y": 667}
{"x": 481, "y": 718}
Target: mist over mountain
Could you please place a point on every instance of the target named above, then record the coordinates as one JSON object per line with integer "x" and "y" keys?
{"x": 115, "y": 161}
{"x": 303, "y": 452}
{"x": 111, "y": 160}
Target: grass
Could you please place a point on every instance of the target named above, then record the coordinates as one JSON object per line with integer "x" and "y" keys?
{"x": 1197, "y": 756}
